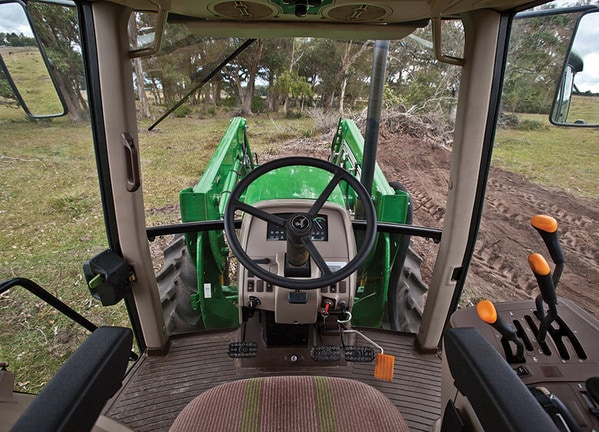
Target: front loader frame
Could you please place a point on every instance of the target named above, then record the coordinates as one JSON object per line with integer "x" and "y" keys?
{"x": 215, "y": 299}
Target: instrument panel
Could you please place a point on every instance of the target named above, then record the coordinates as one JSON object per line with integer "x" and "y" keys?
{"x": 320, "y": 231}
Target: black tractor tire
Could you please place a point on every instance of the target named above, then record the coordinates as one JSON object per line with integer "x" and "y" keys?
{"x": 407, "y": 290}
{"x": 177, "y": 281}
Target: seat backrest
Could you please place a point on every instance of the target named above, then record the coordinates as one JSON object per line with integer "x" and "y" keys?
{"x": 499, "y": 398}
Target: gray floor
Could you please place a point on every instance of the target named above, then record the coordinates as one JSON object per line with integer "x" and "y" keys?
{"x": 158, "y": 387}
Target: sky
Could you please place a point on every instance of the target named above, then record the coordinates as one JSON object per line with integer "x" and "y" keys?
{"x": 13, "y": 19}
{"x": 586, "y": 44}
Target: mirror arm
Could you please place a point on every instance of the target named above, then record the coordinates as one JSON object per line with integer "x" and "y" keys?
{"x": 437, "y": 45}
{"x": 160, "y": 24}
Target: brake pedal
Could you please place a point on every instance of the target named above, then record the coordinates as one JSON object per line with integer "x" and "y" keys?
{"x": 326, "y": 353}
{"x": 243, "y": 349}
{"x": 362, "y": 354}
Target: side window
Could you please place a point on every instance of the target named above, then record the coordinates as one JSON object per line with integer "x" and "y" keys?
{"x": 50, "y": 207}
{"x": 537, "y": 168}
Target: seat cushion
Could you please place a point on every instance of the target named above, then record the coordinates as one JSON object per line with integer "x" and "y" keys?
{"x": 291, "y": 403}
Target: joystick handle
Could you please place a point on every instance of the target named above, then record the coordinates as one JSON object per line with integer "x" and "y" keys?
{"x": 542, "y": 273}
{"x": 487, "y": 312}
{"x": 547, "y": 228}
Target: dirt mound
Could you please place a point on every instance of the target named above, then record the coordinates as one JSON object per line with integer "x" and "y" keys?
{"x": 499, "y": 268}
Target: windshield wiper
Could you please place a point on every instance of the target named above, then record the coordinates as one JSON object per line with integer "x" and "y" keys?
{"x": 204, "y": 80}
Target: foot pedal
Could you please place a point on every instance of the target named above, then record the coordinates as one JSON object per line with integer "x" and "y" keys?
{"x": 326, "y": 353}
{"x": 243, "y": 349}
{"x": 385, "y": 364}
{"x": 362, "y": 354}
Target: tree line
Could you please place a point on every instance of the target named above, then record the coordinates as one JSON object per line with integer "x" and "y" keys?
{"x": 291, "y": 75}
{"x": 16, "y": 40}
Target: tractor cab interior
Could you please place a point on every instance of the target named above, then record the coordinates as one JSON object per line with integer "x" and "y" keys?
{"x": 319, "y": 327}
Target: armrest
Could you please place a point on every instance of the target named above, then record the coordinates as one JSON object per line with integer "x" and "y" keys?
{"x": 75, "y": 396}
{"x": 499, "y": 398}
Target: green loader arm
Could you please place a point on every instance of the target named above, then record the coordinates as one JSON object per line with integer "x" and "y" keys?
{"x": 392, "y": 205}
{"x": 232, "y": 159}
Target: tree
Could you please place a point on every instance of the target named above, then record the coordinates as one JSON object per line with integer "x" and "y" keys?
{"x": 144, "y": 106}
{"x": 320, "y": 61}
{"x": 252, "y": 73}
{"x": 292, "y": 86}
{"x": 16, "y": 40}
{"x": 276, "y": 58}
{"x": 348, "y": 59}
{"x": 239, "y": 76}
{"x": 537, "y": 49}
{"x": 58, "y": 31}
{"x": 418, "y": 80}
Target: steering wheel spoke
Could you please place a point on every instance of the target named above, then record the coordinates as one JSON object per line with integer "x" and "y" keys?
{"x": 259, "y": 213}
{"x": 324, "y": 196}
{"x": 317, "y": 257}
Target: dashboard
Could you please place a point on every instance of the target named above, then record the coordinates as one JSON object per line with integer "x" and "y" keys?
{"x": 266, "y": 245}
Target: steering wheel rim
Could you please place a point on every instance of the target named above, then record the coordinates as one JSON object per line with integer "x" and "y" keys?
{"x": 328, "y": 277}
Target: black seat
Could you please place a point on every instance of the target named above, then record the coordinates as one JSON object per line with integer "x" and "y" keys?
{"x": 75, "y": 396}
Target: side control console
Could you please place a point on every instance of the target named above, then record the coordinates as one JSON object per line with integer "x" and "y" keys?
{"x": 551, "y": 344}
{"x": 557, "y": 369}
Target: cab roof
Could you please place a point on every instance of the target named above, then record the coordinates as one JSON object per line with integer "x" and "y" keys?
{"x": 381, "y": 19}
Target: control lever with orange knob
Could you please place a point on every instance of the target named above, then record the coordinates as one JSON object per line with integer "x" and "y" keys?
{"x": 487, "y": 312}
{"x": 547, "y": 228}
{"x": 542, "y": 273}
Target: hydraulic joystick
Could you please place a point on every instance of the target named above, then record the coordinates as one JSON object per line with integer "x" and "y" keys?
{"x": 487, "y": 312}
{"x": 542, "y": 273}
{"x": 547, "y": 228}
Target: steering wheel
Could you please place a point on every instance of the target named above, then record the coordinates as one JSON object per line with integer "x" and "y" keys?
{"x": 299, "y": 225}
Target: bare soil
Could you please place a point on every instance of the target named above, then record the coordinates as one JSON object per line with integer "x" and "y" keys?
{"x": 499, "y": 268}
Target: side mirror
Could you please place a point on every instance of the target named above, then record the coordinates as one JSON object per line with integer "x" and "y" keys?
{"x": 577, "y": 97}
{"x": 25, "y": 65}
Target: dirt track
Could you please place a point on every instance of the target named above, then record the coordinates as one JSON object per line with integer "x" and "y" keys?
{"x": 499, "y": 269}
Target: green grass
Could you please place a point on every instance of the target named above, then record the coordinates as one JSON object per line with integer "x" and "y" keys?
{"x": 30, "y": 75}
{"x": 175, "y": 154}
{"x": 51, "y": 223}
{"x": 565, "y": 158}
{"x": 585, "y": 108}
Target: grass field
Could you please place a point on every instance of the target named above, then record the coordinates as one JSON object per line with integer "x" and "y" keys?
{"x": 51, "y": 215}
{"x": 28, "y": 71}
{"x": 564, "y": 158}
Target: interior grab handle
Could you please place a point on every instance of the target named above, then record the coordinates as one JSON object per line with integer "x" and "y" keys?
{"x": 132, "y": 161}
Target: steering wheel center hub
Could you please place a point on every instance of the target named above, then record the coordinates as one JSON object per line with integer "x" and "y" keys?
{"x": 300, "y": 225}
